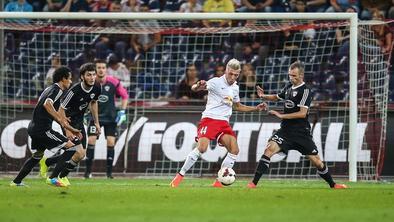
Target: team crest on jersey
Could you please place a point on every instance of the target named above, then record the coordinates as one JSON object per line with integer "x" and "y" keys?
{"x": 295, "y": 93}
{"x": 81, "y": 99}
{"x": 228, "y": 100}
{"x": 106, "y": 88}
{"x": 92, "y": 95}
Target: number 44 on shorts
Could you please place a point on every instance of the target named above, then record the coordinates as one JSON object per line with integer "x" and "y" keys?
{"x": 203, "y": 130}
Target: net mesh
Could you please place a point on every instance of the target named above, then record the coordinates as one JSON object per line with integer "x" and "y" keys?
{"x": 152, "y": 75}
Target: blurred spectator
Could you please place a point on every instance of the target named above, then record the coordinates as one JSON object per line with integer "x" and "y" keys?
{"x": 55, "y": 63}
{"x": 172, "y": 5}
{"x": 371, "y": 5}
{"x": 217, "y": 6}
{"x": 184, "y": 88}
{"x": 18, "y": 6}
{"x": 390, "y": 14}
{"x": 75, "y": 6}
{"x": 101, "y": 6}
{"x": 256, "y": 6}
{"x": 190, "y": 6}
{"x": 130, "y": 6}
{"x": 247, "y": 82}
{"x": 342, "y": 36}
{"x": 382, "y": 33}
{"x": 219, "y": 70}
{"x": 342, "y": 5}
{"x": 142, "y": 43}
{"x": 53, "y": 6}
{"x": 152, "y": 5}
{"x": 309, "y": 5}
{"x": 119, "y": 70}
{"x": 298, "y": 6}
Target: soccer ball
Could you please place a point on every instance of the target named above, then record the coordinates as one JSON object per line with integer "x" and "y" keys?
{"x": 226, "y": 176}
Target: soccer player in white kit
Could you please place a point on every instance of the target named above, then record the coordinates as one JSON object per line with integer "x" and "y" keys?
{"x": 223, "y": 96}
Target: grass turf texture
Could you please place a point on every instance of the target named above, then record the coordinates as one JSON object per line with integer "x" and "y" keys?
{"x": 99, "y": 200}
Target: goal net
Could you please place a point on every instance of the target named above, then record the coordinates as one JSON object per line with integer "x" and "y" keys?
{"x": 153, "y": 57}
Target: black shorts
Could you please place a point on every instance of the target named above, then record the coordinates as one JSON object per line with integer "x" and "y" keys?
{"x": 77, "y": 141}
{"x": 110, "y": 129}
{"x": 300, "y": 140}
{"x": 48, "y": 140}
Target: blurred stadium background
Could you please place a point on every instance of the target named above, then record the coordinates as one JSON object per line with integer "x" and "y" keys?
{"x": 162, "y": 120}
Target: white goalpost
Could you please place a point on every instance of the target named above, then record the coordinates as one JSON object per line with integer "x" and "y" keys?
{"x": 168, "y": 24}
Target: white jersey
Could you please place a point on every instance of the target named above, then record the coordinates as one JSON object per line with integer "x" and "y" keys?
{"x": 221, "y": 97}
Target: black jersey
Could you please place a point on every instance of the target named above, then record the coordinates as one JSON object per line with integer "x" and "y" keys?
{"x": 294, "y": 98}
{"x": 42, "y": 120}
{"x": 77, "y": 100}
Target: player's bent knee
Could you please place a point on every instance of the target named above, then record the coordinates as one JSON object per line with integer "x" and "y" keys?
{"x": 38, "y": 154}
{"x": 202, "y": 145}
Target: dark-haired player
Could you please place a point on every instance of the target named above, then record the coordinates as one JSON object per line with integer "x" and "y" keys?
{"x": 79, "y": 97}
{"x": 40, "y": 128}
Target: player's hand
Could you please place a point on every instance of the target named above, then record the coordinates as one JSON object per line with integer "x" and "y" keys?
{"x": 98, "y": 129}
{"x": 260, "y": 91}
{"x": 121, "y": 117}
{"x": 275, "y": 113}
{"x": 262, "y": 106}
{"x": 201, "y": 84}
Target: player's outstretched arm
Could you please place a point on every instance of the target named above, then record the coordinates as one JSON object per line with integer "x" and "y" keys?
{"x": 242, "y": 108}
{"x": 260, "y": 94}
{"x": 199, "y": 85}
{"x": 297, "y": 115}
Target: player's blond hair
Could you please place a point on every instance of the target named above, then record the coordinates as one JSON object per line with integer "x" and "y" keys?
{"x": 234, "y": 64}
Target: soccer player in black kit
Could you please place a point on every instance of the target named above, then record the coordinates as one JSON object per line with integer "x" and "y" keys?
{"x": 109, "y": 118}
{"x": 295, "y": 130}
{"x": 40, "y": 128}
{"x": 79, "y": 97}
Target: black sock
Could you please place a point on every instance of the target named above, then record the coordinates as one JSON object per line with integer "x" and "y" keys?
{"x": 69, "y": 166}
{"x": 89, "y": 159}
{"x": 110, "y": 159}
{"x": 262, "y": 167}
{"x": 61, "y": 163}
{"x": 52, "y": 160}
{"x": 26, "y": 169}
{"x": 323, "y": 173}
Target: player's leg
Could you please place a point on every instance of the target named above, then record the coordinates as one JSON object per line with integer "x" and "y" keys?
{"x": 73, "y": 162}
{"x": 27, "y": 167}
{"x": 92, "y": 138}
{"x": 230, "y": 142}
{"x": 110, "y": 135}
{"x": 323, "y": 172}
{"x": 90, "y": 156}
{"x": 110, "y": 155}
{"x": 191, "y": 159}
{"x": 264, "y": 162}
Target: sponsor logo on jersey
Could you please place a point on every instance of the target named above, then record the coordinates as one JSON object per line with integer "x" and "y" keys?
{"x": 103, "y": 98}
{"x": 92, "y": 95}
{"x": 289, "y": 104}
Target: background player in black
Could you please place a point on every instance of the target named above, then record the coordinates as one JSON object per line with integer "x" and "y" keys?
{"x": 295, "y": 131}
{"x": 109, "y": 118}
{"x": 40, "y": 128}
{"x": 82, "y": 95}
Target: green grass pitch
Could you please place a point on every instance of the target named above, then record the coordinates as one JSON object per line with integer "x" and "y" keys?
{"x": 116, "y": 200}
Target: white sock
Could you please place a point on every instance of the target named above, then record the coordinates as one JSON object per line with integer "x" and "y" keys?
{"x": 229, "y": 160}
{"x": 190, "y": 161}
